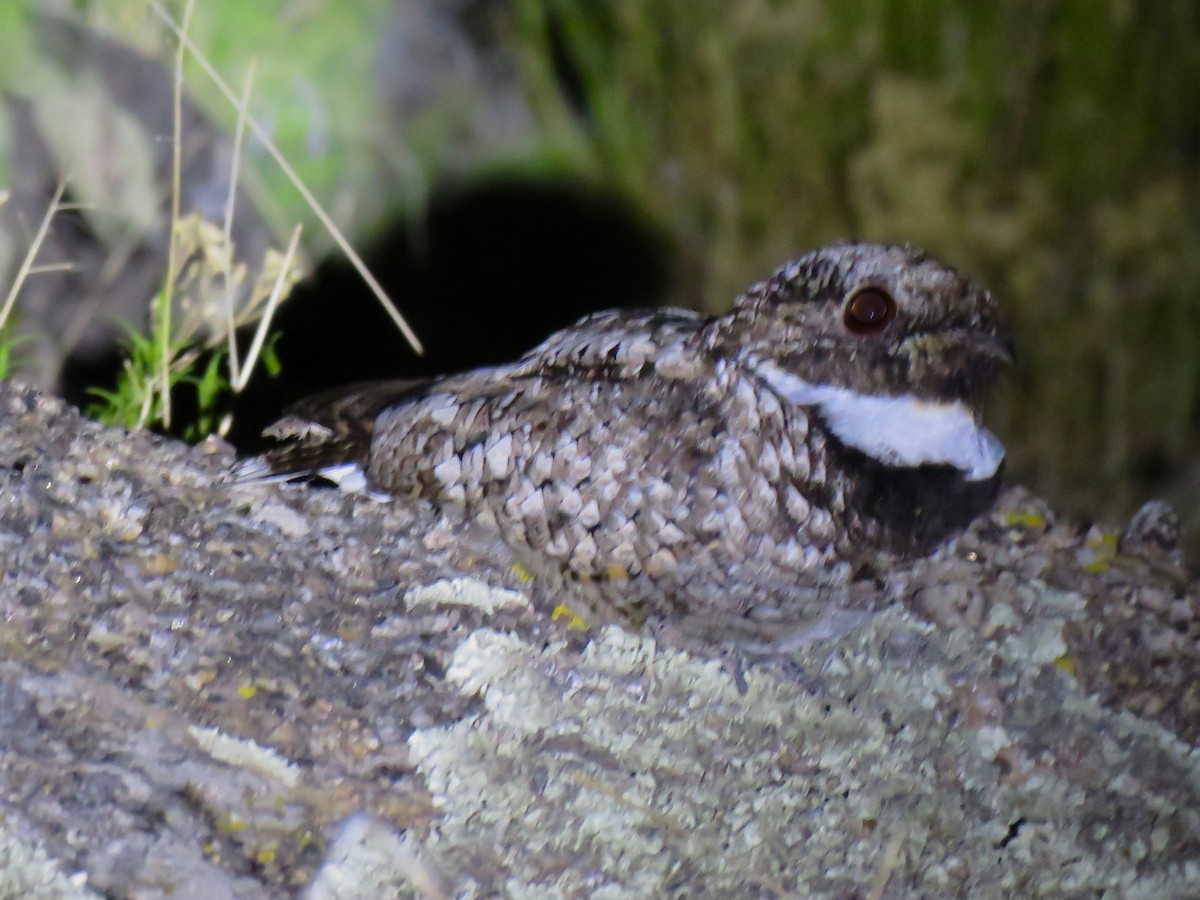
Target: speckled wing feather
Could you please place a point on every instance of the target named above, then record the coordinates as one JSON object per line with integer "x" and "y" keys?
{"x": 623, "y": 456}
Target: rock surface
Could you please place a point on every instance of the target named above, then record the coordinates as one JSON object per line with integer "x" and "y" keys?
{"x": 213, "y": 690}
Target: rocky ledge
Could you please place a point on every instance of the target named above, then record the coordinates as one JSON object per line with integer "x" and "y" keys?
{"x": 217, "y": 690}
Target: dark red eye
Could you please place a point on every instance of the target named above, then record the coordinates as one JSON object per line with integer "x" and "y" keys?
{"x": 869, "y": 309}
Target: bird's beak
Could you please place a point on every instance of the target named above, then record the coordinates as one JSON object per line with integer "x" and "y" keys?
{"x": 987, "y": 348}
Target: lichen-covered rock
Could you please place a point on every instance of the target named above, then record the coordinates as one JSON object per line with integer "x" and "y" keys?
{"x": 214, "y": 690}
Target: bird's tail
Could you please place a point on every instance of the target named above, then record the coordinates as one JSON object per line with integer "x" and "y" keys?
{"x": 327, "y": 435}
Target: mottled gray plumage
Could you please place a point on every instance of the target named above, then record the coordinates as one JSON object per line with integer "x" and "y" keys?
{"x": 678, "y": 465}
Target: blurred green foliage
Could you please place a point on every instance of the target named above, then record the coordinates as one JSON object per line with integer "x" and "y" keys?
{"x": 1050, "y": 148}
{"x": 311, "y": 63}
{"x": 313, "y": 72}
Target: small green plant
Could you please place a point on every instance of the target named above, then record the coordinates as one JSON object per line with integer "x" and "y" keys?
{"x": 137, "y": 400}
{"x": 9, "y": 343}
{"x": 191, "y": 320}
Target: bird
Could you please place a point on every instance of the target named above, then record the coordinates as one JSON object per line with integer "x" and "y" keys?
{"x": 667, "y": 466}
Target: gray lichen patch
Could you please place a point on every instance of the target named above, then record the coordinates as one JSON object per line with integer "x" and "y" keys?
{"x": 368, "y": 859}
{"x": 248, "y": 754}
{"x": 634, "y": 770}
{"x": 1019, "y": 719}
{"x": 465, "y": 592}
{"x": 28, "y": 873}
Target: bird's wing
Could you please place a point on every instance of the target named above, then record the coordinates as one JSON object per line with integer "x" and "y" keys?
{"x": 593, "y": 381}
{"x": 331, "y": 433}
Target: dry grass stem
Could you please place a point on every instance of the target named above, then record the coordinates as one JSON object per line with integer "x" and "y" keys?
{"x": 163, "y": 312}
{"x": 297, "y": 183}
{"x": 230, "y": 200}
{"x": 27, "y": 268}
{"x": 278, "y": 292}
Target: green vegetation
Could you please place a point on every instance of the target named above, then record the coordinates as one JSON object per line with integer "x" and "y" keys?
{"x": 8, "y": 343}
{"x": 137, "y": 401}
{"x": 158, "y": 363}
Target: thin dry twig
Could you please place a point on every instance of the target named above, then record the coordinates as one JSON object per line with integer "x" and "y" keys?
{"x": 27, "y": 268}
{"x": 264, "y": 323}
{"x": 297, "y": 183}
{"x": 235, "y": 367}
{"x": 165, "y": 298}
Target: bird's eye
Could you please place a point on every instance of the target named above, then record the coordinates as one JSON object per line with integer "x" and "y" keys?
{"x": 869, "y": 309}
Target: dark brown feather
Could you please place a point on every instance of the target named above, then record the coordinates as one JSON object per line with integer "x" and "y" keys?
{"x": 334, "y": 427}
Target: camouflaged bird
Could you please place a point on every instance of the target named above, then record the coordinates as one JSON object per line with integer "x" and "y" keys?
{"x": 680, "y": 465}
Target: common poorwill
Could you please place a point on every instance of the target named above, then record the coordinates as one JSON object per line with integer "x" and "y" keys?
{"x": 670, "y": 464}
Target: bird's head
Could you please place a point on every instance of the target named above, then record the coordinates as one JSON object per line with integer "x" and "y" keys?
{"x": 891, "y": 349}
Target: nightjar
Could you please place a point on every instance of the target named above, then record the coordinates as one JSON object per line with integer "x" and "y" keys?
{"x": 666, "y": 465}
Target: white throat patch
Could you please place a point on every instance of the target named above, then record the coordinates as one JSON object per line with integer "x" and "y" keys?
{"x": 896, "y": 431}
